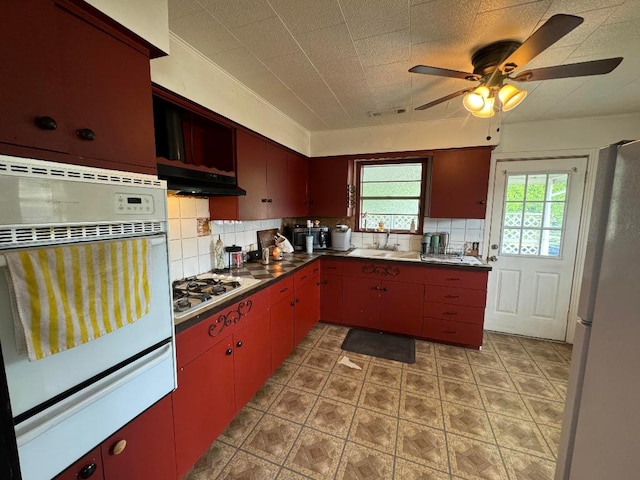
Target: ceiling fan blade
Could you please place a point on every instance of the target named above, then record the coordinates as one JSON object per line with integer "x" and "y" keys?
{"x": 582, "y": 69}
{"x": 445, "y": 99}
{"x": 549, "y": 33}
{"x": 443, "y": 72}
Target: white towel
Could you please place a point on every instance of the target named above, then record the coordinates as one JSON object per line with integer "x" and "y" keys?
{"x": 68, "y": 295}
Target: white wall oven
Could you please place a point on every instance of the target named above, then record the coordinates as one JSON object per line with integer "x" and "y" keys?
{"x": 67, "y": 402}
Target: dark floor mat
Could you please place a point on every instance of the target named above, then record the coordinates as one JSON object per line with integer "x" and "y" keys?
{"x": 391, "y": 347}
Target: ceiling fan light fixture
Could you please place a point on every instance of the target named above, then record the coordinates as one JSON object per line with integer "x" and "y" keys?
{"x": 487, "y": 110}
{"x": 476, "y": 101}
{"x": 510, "y": 97}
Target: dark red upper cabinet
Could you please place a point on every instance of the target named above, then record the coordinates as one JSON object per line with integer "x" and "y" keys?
{"x": 329, "y": 179}
{"x": 297, "y": 184}
{"x": 459, "y": 183}
{"x": 30, "y": 77}
{"x": 76, "y": 89}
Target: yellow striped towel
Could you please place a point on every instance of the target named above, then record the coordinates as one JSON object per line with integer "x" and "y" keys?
{"x": 68, "y": 295}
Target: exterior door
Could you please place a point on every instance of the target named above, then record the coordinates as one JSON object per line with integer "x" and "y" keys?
{"x": 532, "y": 247}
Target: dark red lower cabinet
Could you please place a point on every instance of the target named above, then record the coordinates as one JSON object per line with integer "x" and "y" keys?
{"x": 203, "y": 403}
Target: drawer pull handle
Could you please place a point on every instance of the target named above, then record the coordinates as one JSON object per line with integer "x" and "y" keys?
{"x": 449, "y": 331}
{"x": 46, "y": 123}
{"x": 86, "y": 134}
{"x": 303, "y": 277}
{"x": 453, "y": 279}
{"x": 449, "y": 313}
{"x": 452, "y": 296}
{"x": 331, "y": 268}
{"x": 284, "y": 289}
{"x": 118, "y": 447}
{"x": 87, "y": 471}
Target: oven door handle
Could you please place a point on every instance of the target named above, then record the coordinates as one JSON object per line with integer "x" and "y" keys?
{"x": 155, "y": 240}
{"x": 49, "y": 418}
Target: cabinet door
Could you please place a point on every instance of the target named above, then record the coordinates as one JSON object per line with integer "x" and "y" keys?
{"x": 328, "y": 180}
{"x": 361, "y": 305}
{"x": 203, "y": 403}
{"x": 401, "y": 307}
{"x": 281, "y": 330}
{"x": 251, "y": 358}
{"x": 108, "y": 91}
{"x": 307, "y": 309}
{"x": 298, "y": 171}
{"x": 277, "y": 187}
{"x": 144, "y": 448}
{"x": 459, "y": 183}
{"x": 30, "y": 75}
{"x": 251, "y": 155}
{"x": 331, "y": 298}
{"x": 89, "y": 466}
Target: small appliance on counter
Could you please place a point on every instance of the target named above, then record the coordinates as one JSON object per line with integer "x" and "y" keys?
{"x": 298, "y": 234}
{"x": 341, "y": 238}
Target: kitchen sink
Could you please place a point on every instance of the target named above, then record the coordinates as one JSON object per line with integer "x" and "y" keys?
{"x": 413, "y": 256}
{"x": 391, "y": 254}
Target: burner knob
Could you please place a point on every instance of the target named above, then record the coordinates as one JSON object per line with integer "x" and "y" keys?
{"x": 229, "y": 351}
{"x": 216, "y": 276}
{"x": 239, "y": 344}
{"x": 238, "y": 279}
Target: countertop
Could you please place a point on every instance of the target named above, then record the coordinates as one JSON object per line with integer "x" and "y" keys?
{"x": 275, "y": 270}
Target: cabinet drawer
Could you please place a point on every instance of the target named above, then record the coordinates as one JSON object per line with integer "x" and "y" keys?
{"x": 280, "y": 290}
{"x": 455, "y": 296}
{"x": 458, "y": 313}
{"x": 453, "y": 332}
{"x": 209, "y": 332}
{"x": 332, "y": 266}
{"x": 456, "y": 278}
{"x": 305, "y": 275}
{"x": 392, "y": 271}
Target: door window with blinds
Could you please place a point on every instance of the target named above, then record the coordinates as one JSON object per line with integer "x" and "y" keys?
{"x": 390, "y": 195}
{"x": 534, "y": 214}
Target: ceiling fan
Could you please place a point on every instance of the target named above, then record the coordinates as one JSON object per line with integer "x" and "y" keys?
{"x": 497, "y": 62}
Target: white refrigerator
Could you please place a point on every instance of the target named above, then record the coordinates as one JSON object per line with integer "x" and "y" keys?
{"x": 601, "y": 428}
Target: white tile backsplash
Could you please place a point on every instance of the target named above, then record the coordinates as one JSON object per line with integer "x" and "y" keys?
{"x": 173, "y": 207}
{"x": 187, "y": 207}
{"x": 460, "y": 230}
{"x": 202, "y": 207}
{"x": 189, "y": 247}
{"x": 189, "y": 254}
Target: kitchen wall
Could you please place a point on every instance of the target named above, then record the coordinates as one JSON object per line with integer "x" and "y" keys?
{"x": 191, "y": 253}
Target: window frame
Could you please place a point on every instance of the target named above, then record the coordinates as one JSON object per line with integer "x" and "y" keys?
{"x": 424, "y": 189}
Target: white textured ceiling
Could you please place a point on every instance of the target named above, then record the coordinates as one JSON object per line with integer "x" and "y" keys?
{"x": 328, "y": 63}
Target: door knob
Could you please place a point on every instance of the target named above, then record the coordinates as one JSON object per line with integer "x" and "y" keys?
{"x": 493, "y": 258}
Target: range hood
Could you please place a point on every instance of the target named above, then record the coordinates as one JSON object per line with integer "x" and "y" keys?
{"x": 195, "y": 183}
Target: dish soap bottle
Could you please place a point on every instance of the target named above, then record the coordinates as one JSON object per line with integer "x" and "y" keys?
{"x": 218, "y": 250}
{"x": 412, "y": 228}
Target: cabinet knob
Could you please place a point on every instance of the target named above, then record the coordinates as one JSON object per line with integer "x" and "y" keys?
{"x": 239, "y": 344}
{"x": 297, "y": 300}
{"x": 46, "y": 123}
{"x": 229, "y": 351}
{"x": 264, "y": 200}
{"x": 482, "y": 202}
{"x": 384, "y": 289}
{"x": 118, "y": 447}
{"x": 293, "y": 304}
{"x": 86, "y": 134}
{"x": 87, "y": 471}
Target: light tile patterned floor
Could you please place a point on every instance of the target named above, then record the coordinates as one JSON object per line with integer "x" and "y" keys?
{"x": 454, "y": 414}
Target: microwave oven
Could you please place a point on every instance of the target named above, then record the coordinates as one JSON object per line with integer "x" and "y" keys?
{"x": 321, "y": 237}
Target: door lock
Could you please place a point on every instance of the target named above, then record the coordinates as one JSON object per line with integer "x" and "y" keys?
{"x": 495, "y": 246}
{"x": 493, "y": 258}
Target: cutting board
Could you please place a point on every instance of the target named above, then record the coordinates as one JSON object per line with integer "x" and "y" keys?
{"x": 266, "y": 238}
